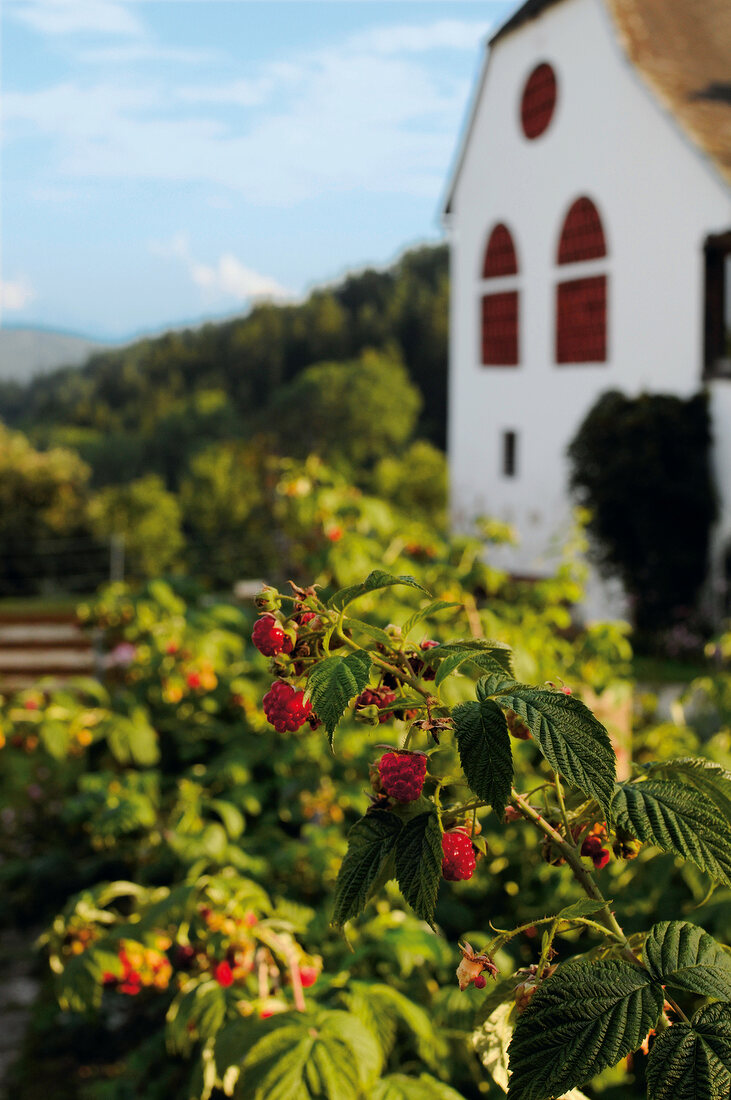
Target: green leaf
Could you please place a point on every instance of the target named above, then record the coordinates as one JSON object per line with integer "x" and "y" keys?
{"x": 371, "y": 631}
{"x": 370, "y": 842}
{"x": 419, "y": 864}
{"x": 381, "y": 1008}
{"x": 374, "y": 581}
{"x": 677, "y": 819}
{"x": 484, "y": 751}
{"x": 693, "y": 1061}
{"x": 706, "y": 776}
{"x": 419, "y": 616}
{"x": 682, "y": 954}
{"x": 494, "y": 684}
{"x": 580, "y": 1021}
{"x": 334, "y": 682}
{"x": 397, "y": 1086}
{"x": 491, "y": 657}
{"x": 573, "y": 741}
{"x": 584, "y": 907}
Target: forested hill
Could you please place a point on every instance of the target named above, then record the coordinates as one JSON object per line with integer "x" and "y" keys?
{"x": 147, "y": 388}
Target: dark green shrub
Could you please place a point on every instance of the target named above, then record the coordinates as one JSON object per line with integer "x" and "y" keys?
{"x": 642, "y": 466}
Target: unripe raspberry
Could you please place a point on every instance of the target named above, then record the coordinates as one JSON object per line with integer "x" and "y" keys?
{"x": 402, "y": 774}
{"x": 429, "y": 673}
{"x": 285, "y": 708}
{"x": 459, "y": 858}
{"x": 270, "y": 638}
{"x": 268, "y": 599}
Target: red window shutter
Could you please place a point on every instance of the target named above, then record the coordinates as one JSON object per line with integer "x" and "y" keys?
{"x": 500, "y": 257}
{"x": 500, "y": 329}
{"x": 539, "y": 101}
{"x": 582, "y": 236}
{"x": 581, "y": 320}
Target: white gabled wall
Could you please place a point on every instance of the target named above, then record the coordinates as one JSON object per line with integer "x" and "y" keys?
{"x": 658, "y": 199}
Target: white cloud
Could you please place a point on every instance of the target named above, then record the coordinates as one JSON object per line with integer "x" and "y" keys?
{"x": 227, "y": 277}
{"x": 15, "y": 294}
{"x": 60, "y": 17}
{"x": 454, "y": 34}
{"x": 368, "y": 114}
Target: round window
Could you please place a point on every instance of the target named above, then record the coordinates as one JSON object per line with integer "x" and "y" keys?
{"x": 539, "y": 101}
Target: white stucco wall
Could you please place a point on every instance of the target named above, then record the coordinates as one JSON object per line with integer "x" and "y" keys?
{"x": 658, "y": 198}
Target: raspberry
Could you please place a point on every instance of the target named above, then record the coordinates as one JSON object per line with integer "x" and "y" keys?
{"x": 378, "y": 697}
{"x": 480, "y": 982}
{"x": 402, "y": 774}
{"x": 459, "y": 859}
{"x": 592, "y": 847}
{"x": 285, "y": 708}
{"x": 306, "y": 617}
{"x": 269, "y": 637}
{"x": 308, "y": 976}
{"x": 223, "y": 974}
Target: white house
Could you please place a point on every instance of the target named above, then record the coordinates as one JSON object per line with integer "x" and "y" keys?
{"x": 589, "y": 216}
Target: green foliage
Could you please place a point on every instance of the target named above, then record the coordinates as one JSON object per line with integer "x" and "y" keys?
{"x": 419, "y": 863}
{"x": 584, "y": 1018}
{"x": 693, "y": 1061}
{"x": 334, "y": 682}
{"x": 573, "y": 741}
{"x": 484, "y": 751}
{"x": 677, "y": 819}
{"x": 640, "y": 464}
{"x": 147, "y": 517}
{"x": 370, "y": 843}
{"x": 683, "y": 955}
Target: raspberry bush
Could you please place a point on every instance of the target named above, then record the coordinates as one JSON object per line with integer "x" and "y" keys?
{"x": 451, "y": 760}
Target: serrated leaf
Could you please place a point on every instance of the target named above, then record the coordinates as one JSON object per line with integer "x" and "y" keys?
{"x": 419, "y": 864}
{"x": 493, "y": 658}
{"x": 424, "y": 613}
{"x": 370, "y": 842}
{"x": 707, "y": 776}
{"x": 334, "y": 682}
{"x": 494, "y": 684}
{"x": 382, "y": 1008}
{"x": 682, "y": 954}
{"x": 693, "y": 1061}
{"x": 503, "y": 991}
{"x": 483, "y": 742}
{"x": 491, "y": 1042}
{"x": 573, "y": 741}
{"x": 584, "y": 907}
{"x": 584, "y": 1018}
{"x": 373, "y": 582}
{"x": 677, "y": 819}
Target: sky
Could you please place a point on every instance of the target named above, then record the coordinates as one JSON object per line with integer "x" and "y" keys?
{"x": 166, "y": 161}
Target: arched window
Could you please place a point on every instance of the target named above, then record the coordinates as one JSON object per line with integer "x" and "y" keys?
{"x": 499, "y": 308}
{"x": 581, "y": 303}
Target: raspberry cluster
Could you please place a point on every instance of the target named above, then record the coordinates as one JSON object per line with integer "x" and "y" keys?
{"x": 459, "y": 858}
{"x": 286, "y": 708}
{"x": 270, "y": 638}
{"x": 378, "y": 697}
{"x": 402, "y": 774}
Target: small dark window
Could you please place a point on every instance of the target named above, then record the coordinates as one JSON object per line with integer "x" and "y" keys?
{"x": 510, "y": 449}
{"x": 538, "y": 101}
{"x": 500, "y": 329}
{"x": 717, "y": 294}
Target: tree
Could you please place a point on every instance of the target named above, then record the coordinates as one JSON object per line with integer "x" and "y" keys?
{"x": 642, "y": 466}
{"x": 359, "y": 411}
{"x": 147, "y": 517}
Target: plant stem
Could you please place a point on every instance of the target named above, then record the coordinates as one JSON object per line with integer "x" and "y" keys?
{"x": 399, "y": 673}
{"x": 562, "y": 806}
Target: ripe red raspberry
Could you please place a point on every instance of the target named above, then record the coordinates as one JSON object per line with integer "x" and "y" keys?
{"x": 480, "y": 981}
{"x": 269, "y": 637}
{"x": 285, "y": 708}
{"x": 377, "y": 697}
{"x": 593, "y": 848}
{"x": 459, "y": 858}
{"x": 402, "y": 774}
{"x": 223, "y": 974}
{"x": 308, "y": 976}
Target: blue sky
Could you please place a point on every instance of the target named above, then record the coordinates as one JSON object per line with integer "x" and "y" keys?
{"x": 169, "y": 160}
